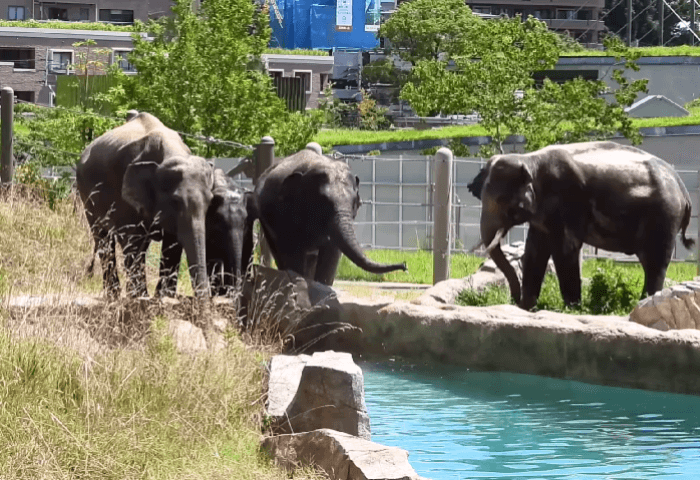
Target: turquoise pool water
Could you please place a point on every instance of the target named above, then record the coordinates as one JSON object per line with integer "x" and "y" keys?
{"x": 458, "y": 424}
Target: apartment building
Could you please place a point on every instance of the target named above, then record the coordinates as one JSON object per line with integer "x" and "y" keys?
{"x": 32, "y": 58}
{"x": 578, "y": 18}
{"x": 109, "y": 11}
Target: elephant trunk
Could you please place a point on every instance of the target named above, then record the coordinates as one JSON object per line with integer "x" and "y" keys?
{"x": 191, "y": 235}
{"x": 343, "y": 234}
{"x": 491, "y": 235}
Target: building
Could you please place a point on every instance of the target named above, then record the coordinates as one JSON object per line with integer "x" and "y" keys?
{"x": 315, "y": 70}
{"x": 109, "y": 11}
{"x": 32, "y": 58}
{"x": 579, "y": 18}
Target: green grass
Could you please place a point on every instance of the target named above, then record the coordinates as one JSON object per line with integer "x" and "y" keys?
{"x": 333, "y": 137}
{"x": 419, "y": 263}
{"x": 108, "y": 27}
{"x": 679, "y": 51}
{"x": 297, "y": 51}
{"x": 614, "y": 288}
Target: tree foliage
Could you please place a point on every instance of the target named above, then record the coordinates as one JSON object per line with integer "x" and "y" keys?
{"x": 203, "y": 74}
{"x": 423, "y": 29}
{"x": 492, "y": 75}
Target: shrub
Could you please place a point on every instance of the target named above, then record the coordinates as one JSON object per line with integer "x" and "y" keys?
{"x": 612, "y": 290}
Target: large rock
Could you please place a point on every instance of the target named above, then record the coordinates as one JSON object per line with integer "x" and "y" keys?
{"x": 677, "y": 307}
{"x": 299, "y": 309}
{"x": 341, "y": 456}
{"x": 325, "y": 390}
{"x": 186, "y": 337}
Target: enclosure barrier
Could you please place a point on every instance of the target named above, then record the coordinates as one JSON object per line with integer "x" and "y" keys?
{"x": 405, "y": 198}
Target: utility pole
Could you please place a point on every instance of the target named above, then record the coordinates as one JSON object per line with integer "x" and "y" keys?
{"x": 661, "y": 22}
{"x": 629, "y": 23}
{"x": 692, "y": 23}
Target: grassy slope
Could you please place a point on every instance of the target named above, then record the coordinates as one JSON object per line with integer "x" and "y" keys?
{"x": 101, "y": 393}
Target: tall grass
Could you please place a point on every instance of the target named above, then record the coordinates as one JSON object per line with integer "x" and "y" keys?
{"x": 97, "y": 390}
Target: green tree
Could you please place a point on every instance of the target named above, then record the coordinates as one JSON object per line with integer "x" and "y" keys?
{"x": 424, "y": 29}
{"x": 493, "y": 76}
{"x": 203, "y": 74}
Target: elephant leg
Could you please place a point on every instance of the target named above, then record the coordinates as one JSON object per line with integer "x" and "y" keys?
{"x": 566, "y": 262}
{"x": 105, "y": 245}
{"x": 171, "y": 253}
{"x": 327, "y": 264}
{"x": 537, "y": 253}
{"x": 655, "y": 259}
{"x": 135, "y": 264}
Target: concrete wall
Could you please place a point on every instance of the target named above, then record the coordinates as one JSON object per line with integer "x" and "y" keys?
{"x": 143, "y": 10}
{"x": 673, "y": 77}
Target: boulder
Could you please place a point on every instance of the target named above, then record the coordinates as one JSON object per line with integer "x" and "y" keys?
{"x": 341, "y": 456}
{"x": 187, "y": 337}
{"x": 325, "y": 390}
{"x": 299, "y": 309}
{"x": 676, "y": 307}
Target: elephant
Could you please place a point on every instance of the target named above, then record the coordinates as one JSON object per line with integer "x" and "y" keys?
{"x": 306, "y": 205}
{"x": 611, "y": 196}
{"x": 229, "y": 225}
{"x": 140, "y": 182}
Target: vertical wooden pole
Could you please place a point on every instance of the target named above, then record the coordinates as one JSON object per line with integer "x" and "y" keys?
{"x": 442, "y": 209}
{"x": 7, "y": 104}
{"x": 265, "y": 153}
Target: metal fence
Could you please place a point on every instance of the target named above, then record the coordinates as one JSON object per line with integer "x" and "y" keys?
{"x": 397, "y": 211}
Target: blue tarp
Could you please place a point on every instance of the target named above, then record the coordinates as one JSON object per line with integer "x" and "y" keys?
{"x": 312, "y": 25}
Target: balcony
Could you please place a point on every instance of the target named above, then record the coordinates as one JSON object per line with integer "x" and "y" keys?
{"x": 575, "y": 25}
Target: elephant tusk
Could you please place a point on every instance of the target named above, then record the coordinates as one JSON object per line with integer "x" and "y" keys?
{"x": 496, "y": 240}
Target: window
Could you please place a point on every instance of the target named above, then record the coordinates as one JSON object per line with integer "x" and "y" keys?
{"x": 15, "y": 13}
{"x": 276, "y": 74}
{"x": 120, "y": 58}
{"x": 117, "y": 16}
{"x": 482, "y": 10}
{"x": 22, "y": 57}
{"x": 566, "y": 14}
{"x": 324, "y": 80}
{"x": 543, "y": 14}
{"x": 60, "y": 61}
{"x": 84, "y": 14}
{"x": 306, "y": 75}
{"x": 58, "y": 14}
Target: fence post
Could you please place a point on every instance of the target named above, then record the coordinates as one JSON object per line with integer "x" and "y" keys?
{"x": 442, "y": 208}
{"x": 131, "y": 114}
{"x": 697, "y": 213}
{"x": 265, "y": 156}
{"x": 7, "y": 105}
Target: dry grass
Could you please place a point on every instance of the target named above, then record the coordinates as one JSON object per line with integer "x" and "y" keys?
{"x": 94, "y": 389}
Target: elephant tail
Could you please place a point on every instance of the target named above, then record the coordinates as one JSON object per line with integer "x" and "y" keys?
{"x": 687, "y": 242}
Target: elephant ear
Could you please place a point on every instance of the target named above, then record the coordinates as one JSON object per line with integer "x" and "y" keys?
{"x": 138, "y": 185}
{"x": 478, "y": 183}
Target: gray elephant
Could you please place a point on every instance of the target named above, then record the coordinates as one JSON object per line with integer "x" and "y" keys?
{"x": 610, "y": 196}
{"x": 306, "y": 205}
{"x": 229, "y": 225}
{"x": 140, "y": 182}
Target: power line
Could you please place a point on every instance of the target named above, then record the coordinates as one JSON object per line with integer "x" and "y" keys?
{"x": 202, "y": 138}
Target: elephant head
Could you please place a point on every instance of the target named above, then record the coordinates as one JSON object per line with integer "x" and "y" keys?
{"x": 507, "y": 194}
{"x": 228, "y": 228}
{"x": 172, "y": 190}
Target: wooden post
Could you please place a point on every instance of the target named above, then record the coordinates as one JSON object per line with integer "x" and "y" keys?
{"x": 7, "y": 104}
{"x": 442, "y": 213}
{"x": 131, "y": 114}
{"x": 265, "y": 157}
